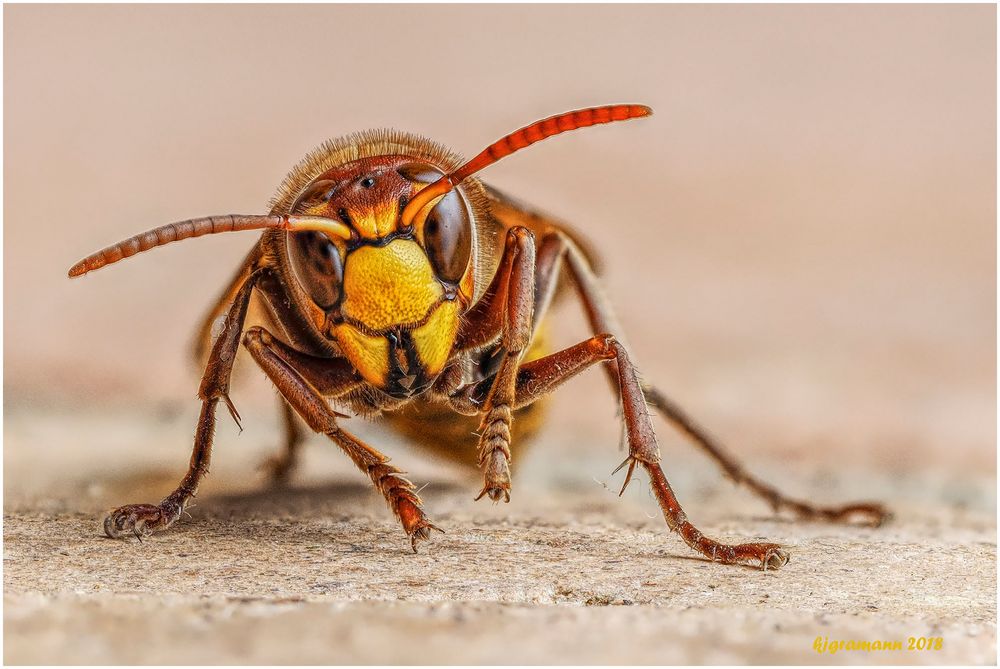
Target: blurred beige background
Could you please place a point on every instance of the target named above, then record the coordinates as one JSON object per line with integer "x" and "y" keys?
{"x": 801, "y": 241}
{"x": 804, "y": 232}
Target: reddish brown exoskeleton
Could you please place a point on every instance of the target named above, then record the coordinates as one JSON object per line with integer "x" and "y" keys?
{"x": 394, "y": 281}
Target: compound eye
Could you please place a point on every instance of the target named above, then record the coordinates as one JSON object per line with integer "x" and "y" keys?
{"x": 318, "y": 266}
{"x": 447, "y": 237}
{"x": 317, "y": 194}
{"x": 446, "y": 232}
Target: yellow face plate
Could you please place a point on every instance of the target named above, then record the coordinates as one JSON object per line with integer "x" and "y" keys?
{"x": 389, "y": 285}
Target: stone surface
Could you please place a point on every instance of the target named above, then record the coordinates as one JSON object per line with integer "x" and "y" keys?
{"x": 568, "y": 572}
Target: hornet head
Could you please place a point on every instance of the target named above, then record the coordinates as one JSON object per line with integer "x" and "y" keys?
{"x": 381, "y": 249}
{"x": 390, "y": 292}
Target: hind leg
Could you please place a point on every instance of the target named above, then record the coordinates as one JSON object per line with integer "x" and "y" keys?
{"x": 869, "y": 513}
{"x": 602, "y": 319}
{"x": 280, "y": 466}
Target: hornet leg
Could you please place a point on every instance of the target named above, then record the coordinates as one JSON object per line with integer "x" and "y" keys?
{"x": 143, "y": 519}
{"x": 301, "y": 383}
{"x": 535, "y": 379}
{"x": 281, "y": 465}
{"x": 540, "y": 377}
{"x": 602, "y": 319}
{"x": 508, "y": 307}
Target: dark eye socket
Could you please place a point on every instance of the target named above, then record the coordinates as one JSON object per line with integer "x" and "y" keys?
{"x": 448, "y": 237}
{"x": 318, "y": 266}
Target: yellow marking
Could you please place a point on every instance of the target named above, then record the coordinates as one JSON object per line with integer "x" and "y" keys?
{"x": 364, "y": 224}
{"x": 378, "y": 221}
{"x": 368, "y": 355}
{"x": 467, "y": 286}
{"x": 434, "y": 339}
{"x": 540, "y": 345}
{"x": 389, "y": 285}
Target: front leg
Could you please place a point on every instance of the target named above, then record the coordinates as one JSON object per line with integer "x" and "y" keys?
{"x": 510, "y": 304}
{"x": 305, "y": 382}
{"x": 142, "y": 519}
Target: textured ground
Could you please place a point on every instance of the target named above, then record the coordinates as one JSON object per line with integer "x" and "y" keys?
{"x": 319, "y": 573}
